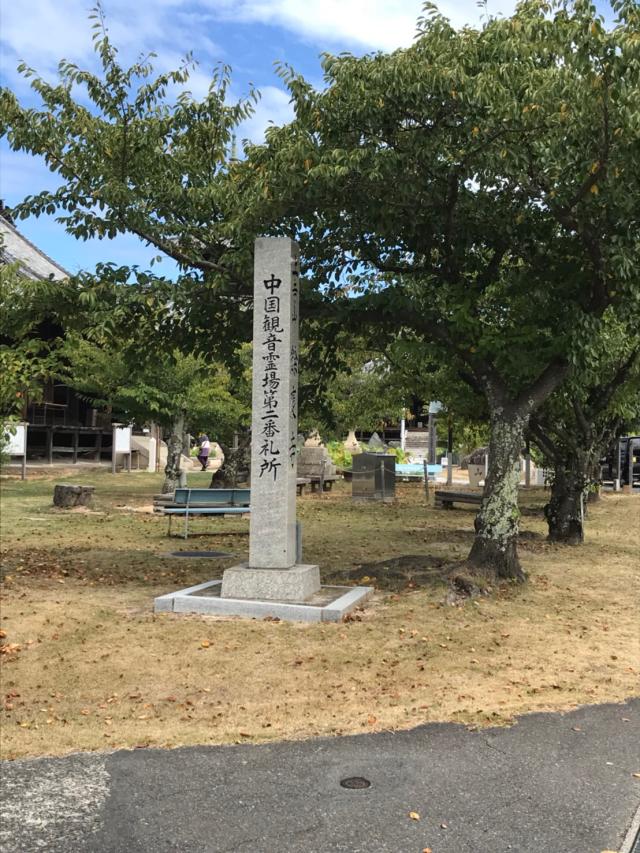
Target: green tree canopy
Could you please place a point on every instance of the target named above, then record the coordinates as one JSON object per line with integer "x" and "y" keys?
{"x": 579, "y": 422}
{"x": 480, "y": 188}
{"x": 137, "y": 153}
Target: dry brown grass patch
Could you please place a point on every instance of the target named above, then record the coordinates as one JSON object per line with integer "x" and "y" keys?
{"x": 97, "y": 670}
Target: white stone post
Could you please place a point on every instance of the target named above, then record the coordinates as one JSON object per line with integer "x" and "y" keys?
{"x": 274, "y": 430}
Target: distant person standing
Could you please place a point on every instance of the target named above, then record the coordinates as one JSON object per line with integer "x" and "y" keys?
{"x": 205, "y": 447}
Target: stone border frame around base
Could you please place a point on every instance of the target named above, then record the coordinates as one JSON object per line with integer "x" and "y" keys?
{"x": 187, "y": 601}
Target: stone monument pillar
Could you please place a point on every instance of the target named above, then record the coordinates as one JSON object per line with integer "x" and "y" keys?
{"x": 272, "y": 572}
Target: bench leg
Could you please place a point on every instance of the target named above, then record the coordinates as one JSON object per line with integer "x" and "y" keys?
{"x": 186, "y": 525}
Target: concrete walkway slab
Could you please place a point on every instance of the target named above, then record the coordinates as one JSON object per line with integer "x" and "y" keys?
{"x": 552, "y": 783}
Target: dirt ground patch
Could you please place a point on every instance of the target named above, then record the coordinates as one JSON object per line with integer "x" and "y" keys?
{"x": 88, "y": 666}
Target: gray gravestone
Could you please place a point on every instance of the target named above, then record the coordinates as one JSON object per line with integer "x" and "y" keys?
{"x": 272, "y": 572}
{"x": 375, "y": 445}
{"x": 314, "y": 461}
{"x": 373, "y": 477}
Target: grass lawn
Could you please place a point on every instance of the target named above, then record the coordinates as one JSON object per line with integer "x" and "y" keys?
{"x": 86, "y": 664}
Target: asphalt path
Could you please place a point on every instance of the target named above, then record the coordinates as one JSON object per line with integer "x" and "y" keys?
{"x": 552, "y": 783}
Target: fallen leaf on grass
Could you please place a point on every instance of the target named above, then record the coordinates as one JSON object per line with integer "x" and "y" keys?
{"x": 3, "y": 634}
{"x": 205, "y": 644}
{"x": 414, "y": 815}
{"x": 371, "y": 720}
{"x": 10, "y": 649}
{"x": 427, "y": 850}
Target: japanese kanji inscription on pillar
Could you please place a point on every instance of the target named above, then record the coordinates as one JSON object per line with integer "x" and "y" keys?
{"x": 274, "y": 428}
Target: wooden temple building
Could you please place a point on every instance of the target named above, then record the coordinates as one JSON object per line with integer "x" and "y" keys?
{"x": 61, "y": 423}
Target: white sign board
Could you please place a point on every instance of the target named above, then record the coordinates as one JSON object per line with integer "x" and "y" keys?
{"x": 122, "y": 439}
{"x": 16, "y": 441}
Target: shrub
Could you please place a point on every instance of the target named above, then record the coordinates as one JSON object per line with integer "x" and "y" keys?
{"x": 340, "y": 456}
{"x": 401, "y": 455}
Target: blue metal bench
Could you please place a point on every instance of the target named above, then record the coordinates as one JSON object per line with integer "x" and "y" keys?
{"x": 190, "y": 502}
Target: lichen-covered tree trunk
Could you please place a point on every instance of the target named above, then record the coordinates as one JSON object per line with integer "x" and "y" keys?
{"x": 494, "y": 552}
{"x": 565, "y": 510}
{"x": 174, "y": 451}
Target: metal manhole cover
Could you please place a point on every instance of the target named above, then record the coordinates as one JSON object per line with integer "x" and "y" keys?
{"x": 200, "y": 554}
{"x": 355, "y": 782}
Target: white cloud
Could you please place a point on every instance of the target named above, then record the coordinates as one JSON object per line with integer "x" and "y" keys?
{"x": 53, "y": 30}
{"x": 369, "y": 24}
{"x": 384, "y": 24}
{"x": 44, "y": 35}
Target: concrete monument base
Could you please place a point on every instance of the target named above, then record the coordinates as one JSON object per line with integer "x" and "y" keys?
{"x": 298, "y": 583}
{"x": 328, "y": 604}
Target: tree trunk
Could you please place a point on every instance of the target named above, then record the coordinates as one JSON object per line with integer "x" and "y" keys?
{"x": 595, "y": 482}
{"x": 174, "y": 451}
{"x": 595, "y": 493}
{"x": 66, "y": 495}
{"x": 236, "y": 468}
{"x": 494, "y": 552}
{"x": 565, "y": 510}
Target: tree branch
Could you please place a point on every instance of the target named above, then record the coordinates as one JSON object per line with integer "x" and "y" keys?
{"x": 542, "y": 439}
{"x": 601, "y": 396}
{"x": 550, "y": 378}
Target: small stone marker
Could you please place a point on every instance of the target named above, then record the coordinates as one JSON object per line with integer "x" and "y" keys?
{"x": 272, "y": 572}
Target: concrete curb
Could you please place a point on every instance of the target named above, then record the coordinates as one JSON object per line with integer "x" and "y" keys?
{"x": 632, "y": 834}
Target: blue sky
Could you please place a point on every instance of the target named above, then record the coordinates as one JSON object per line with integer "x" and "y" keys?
{"x": 249, "y": 35}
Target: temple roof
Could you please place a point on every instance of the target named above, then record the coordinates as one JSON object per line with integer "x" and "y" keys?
{"x": 15, "y": 248}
